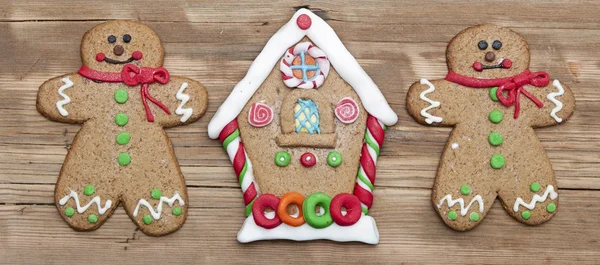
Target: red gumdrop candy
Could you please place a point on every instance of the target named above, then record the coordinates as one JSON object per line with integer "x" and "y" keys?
{"x": 137, "y": 55}
{"x": 100, "y": 57}
{"x": 507, "y": 63}
{"x": 478, "y": 66}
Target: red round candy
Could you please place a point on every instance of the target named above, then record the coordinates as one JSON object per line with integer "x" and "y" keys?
{"x": 100, "y": 57}
{"x": 137, "y": 55}
{"x": 304, "y": 22}
{"x": 261, "y": 203}
{"x": 478, "y": 66}
{"x": 506, "y": 63}
{"x": 308, "y": 160}
{"x": 353, "y": 209}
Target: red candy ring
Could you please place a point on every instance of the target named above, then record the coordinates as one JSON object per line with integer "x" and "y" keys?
{"x": 353, "y": 209}
{"x": 308, "y": 159}
{"x": 261, "y": 203}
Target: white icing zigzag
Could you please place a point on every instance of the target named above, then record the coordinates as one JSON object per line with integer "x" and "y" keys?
{"x": 552, "y": 97}
{"x": 163, "y": 199}
{"x": 66, "y": 99}
{"x": 81, "y": 209}
{"x": 536, "y": 198}
{"x": 434, "y": 104}
{"x": 463, "y": 209}
{"x": 187, "y": 112}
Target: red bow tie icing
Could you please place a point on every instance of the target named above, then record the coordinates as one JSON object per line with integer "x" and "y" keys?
{"x": 514, "y": 86}
{"x": 132, "y": 75}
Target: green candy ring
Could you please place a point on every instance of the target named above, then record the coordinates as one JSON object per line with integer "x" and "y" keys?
{"x": 309, "y": 206}
{"x": 334, "y": 159}
{"x": 282, "y": 159}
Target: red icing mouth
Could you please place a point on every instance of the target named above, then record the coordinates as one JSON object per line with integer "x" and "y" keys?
{"x": 505, "y": 64}
{"x": 136, "y": 55}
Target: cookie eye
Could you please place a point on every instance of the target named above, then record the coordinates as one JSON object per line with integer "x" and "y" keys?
{"x": 112, "y": 39}
{"x": 482, "y": 45}
{"x": 126, "y": 38}
{"x": 497, "y": 45}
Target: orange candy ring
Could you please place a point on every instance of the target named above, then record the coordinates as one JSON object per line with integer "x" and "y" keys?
{"x": 287, "y": 199}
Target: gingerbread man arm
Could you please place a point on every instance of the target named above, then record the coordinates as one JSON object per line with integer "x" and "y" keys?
{"x": 559, "y": 105}
{"x": 187, "y": 100}
{"x": 63, "y": 99}
{"x": 432, "y": 103}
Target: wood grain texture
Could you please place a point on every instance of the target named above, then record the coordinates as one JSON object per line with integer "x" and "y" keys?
{"x": 396, "y": 42}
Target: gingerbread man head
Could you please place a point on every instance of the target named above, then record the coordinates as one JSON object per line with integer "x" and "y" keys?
{"x": 109, "y": 46}
{"x": 488, "y": 51}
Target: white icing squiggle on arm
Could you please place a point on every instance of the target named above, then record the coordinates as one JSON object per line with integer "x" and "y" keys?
{"x": 184, "y": 98}
{"x": 536, "y": 198}
{"x": 82, "y": 209}
{"x": 163, "y": 199}
{"x": 434, "y": 104}
{"x": 66, "y": 99}
{"x": 552, "y": 97}
{"x": 461, "y": 202}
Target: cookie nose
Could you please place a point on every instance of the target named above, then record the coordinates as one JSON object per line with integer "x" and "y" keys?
{"x": 489, "y": 56}
{"x": 118, "y": 50}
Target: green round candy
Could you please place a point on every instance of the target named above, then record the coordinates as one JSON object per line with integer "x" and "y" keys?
{"x": 452, "y": 215}
{"x": 177, "y": 211}
{"x": 535, "y": 187}
{"x": 156, "y": 194}
{"x": 474, "y": 217}
{"x": 496, "y": 116}
{"x": 309, "y": 206}
{"x": 282, "y": 159}
{"x": 92, "y": 218}
{"x": 493, "y": 93}
{"x": 526, "y": 215}
{"x": 69, "y": 211}
{"x": 465, "y": 190}
{"x": 121, "y": 119}
{"x": 334, "y": 159}
{"x": 497, "y": 161}
{"x": 495, "y": 138}
{"x": 147, "y": 219}
{"x": 551, "y": 207}
{"x": 123, "y": 138}
{"x": 89, "y": 190}
{"x": 124, "y": 159}
{"x": 121, "y": 96}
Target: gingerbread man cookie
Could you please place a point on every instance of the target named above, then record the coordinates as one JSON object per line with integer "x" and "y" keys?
{"x": 493, "y": 101}
{"x": 124, "y": 98}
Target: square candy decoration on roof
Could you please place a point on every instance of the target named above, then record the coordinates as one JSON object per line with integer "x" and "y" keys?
{"x": 306, "y": 125}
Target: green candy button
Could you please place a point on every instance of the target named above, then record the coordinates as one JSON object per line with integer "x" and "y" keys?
{"x": 121, "y": 96}
{"x": 496, "y": 116}
{"x": 69, "y": 211}
{"x": 474, "y": 217}
{"x": 147, "y": 219}
{"x": 452, "y": 215}
{"x": 535, "y": 187}
{"x": 282, "y": 159}
{"x": 334, "y": 159}
{"x": 465, "y": 190}
{"x": 526, "y": 215}
{"x": 177, "y": 211}
{"x": 497, "y": 161}
{"x": 92, "y": 218}
{"x": 123, "y": 138}
{"x": 551, "y": 207}
{"x": 493, "y": 93}
{"x": 156, "y": 194}
{"x": 124, "y": 159}
{"x": 121, "y": 119}
{"x": 495, "y": 138}
{"x": 89, "y": 190}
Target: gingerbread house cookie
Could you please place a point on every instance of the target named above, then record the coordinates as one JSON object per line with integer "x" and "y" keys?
{"x": 493, "y": 101}
{"x": 305, "y": 125}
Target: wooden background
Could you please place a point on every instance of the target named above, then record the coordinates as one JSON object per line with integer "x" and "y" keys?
{"x": 396, "y": 42}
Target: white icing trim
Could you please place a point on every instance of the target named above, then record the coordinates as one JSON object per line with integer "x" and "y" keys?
{"x": 325, "y": 38}
{"x": 536, "y": 198}
{"x": 365, "y": 230}
{"x": 66, "y": 99}
{"x": 552, "y": 97}
{"x": 463, "y": 209}
{"x": 433, "y": 104}
{"x": 80, "y": 209}
{"x": 163, "y": 199}
{"x": 184, "y": 98}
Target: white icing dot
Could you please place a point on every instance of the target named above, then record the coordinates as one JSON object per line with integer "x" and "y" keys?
{"x": 334, "y": 159}
{"x": 454, "y": 145}
{"x": 308, "y": 158}
{"x": 281, "y": 159}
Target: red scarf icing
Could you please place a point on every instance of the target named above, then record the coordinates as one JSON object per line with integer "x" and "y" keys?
{"x": 514, "y": 86}
{"x": 132, "y": 75}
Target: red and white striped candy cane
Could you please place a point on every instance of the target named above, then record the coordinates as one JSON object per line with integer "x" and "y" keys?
{"x": 365, "y": 178}
{"x": 230, "y": 138}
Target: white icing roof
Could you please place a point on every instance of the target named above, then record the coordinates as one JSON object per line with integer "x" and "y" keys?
{"x": 325, "y": 38}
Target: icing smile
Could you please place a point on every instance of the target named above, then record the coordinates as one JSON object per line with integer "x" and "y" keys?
{"x": 502, "y": 64}
{"x": 135, "y": 56}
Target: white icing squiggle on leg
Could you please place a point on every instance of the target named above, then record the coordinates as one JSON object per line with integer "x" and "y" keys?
{"x": 463, "y": 209}
{"x": 81, "y": 209}
{"x": 552, "y": 97}
{"x": 434, "y": 104}
{"x": 163, "y": 199}
{"x": 184, "y": 98}
{"x": 66, "y": 99}
{"x": 536, "y": 198}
